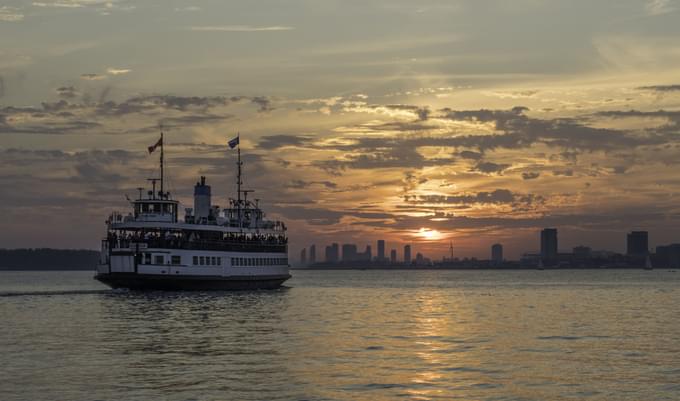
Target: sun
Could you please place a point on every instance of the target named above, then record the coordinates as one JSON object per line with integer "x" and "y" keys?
{"x": 429, "y": 235}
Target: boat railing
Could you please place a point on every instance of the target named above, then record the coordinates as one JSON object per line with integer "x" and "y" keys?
{"x": 263, "y": 245}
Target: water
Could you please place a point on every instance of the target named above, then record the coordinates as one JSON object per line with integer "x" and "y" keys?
{"x": 347, "y": 335}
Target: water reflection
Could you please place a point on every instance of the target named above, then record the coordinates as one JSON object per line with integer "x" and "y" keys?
{"x": 351, "y": 336}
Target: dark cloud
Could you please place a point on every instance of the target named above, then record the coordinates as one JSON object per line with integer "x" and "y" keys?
{"x": 280, "y": 141}
{"x": 565, "y": 173}
{"x": 67, "y": 92}
{"x": 300, "y": 184}
{"x": 661, "y": 88}
{"x": 321, "y": 216}
{"x": 467, "y": 154}
{"x": 530, "y": 175}
{"x": 394, "y": 157}
{"x": 498, "y": 196}
{"x": 263, "y": 102}
{"x": 92, "y": 77}
{"x": 489, "y": 167}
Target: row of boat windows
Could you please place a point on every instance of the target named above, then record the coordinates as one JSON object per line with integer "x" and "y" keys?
{"x": 160, "y": 259}
{"x": 214, "y": 261}
{"x": 207, "y": 261}
{"x": 258, "y": 261}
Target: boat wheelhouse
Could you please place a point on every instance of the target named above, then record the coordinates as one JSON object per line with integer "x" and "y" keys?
{"x": 211, "y": 248}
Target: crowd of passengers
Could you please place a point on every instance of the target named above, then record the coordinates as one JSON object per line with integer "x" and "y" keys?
{"x": 171, "y": 240}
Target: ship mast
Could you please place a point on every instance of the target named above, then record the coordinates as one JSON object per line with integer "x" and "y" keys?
{"x": 239, "y": 182}
{"x": 162, "y": 194}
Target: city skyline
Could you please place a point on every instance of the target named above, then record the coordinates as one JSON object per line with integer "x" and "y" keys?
{"x": 547, "y": 248}
{"x": 471, "y": 122}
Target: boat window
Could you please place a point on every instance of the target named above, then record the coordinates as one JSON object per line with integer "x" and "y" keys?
{"x": 145, "y": 207}
{"x": 176, "y": 260}
{"x": 202, "y": 259}
{"x": 233, "y": 260}
{"x": 207, "y": 260}
{"x": 219, "y": 261}
{"x": 159, "y": 260}
{"x": 195, "y": 260}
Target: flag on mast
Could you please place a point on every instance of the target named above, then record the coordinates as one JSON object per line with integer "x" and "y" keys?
{"x": 234, "y": 142}
{"x": 159, "y": 143}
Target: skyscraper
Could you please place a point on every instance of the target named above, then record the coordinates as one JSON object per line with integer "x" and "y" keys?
{"x": 393, "y": 256}
{"x": 303, "y": 257}
{"x": 349, "y": 253}
{"x": 312, "y": 254}
{"x": 497, "y": 253}
{"x": 638, "y": 243}
{"x": 407, "y": 254}
{"x": 332, "y": 253}
{"x": 549, "y": 243}
{"x": 381, "y": 250}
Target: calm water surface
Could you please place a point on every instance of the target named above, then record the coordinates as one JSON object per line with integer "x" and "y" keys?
{"x": 347, "y": 335}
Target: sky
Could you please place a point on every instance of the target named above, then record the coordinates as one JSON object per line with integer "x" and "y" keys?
{"x": 422, "y": 122}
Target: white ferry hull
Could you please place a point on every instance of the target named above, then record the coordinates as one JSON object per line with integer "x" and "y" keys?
{"x": 153, "y": 269}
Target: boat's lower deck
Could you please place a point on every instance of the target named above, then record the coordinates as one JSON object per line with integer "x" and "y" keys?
{"x": 135, "y": 281}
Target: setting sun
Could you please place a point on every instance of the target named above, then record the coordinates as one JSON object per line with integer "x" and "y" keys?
{"x": 428, "y": 234}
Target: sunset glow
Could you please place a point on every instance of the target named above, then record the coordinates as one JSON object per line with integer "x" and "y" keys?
{"x": 489, "y": 129}
{"x": 429, "y": 235}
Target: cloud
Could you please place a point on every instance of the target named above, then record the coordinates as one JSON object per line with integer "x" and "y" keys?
{"x": 661, "y": 88}
{"x": 301, "y": 184}
{"x": 10, "y": 14}
{"x": 263, "y": 102}
{"x": 270, "y": 142}
{"x": 188, "y": 8}
{"x": 92, "y": 77}
{"x": 565, "y": 172}
{"x": 658, "y": 7}
{"x": 101, "y": 5}
{"x": 530, "y": 175}
{"x": 489, "y": 167}
{"x": 117, "y": 71}
{"x": 467, "y": 154}
{"x": 67, "y": 92}
{"x": 240, "y": 28}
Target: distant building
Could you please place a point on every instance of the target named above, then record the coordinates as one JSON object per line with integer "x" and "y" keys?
{"x": 497, "y": 253}
{"x": 332, "y": 253}
{"x": 312, "y": 254}
{"x": 668, "y": 256}
{"x": 368, "y": 254}
{"x": 637, "y": 243}
{"x": 393, "y": 256}
{"x": 549, "y": 243}
{"x": 381, "y": 250}
{"x": 303, "y": 256}
{"x": 420, "y": 259}
{"x": 349, "y": 253}
{"x": 407, "y": 254}
{"x": 582, "y": 252}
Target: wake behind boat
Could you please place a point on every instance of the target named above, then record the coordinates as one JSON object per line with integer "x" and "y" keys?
{"x": 211, "y": 249}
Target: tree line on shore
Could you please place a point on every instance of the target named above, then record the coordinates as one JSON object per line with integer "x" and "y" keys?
{"x": 48, "y": 259}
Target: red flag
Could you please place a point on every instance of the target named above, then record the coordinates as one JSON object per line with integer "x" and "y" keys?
{"x": 159, "y": 143}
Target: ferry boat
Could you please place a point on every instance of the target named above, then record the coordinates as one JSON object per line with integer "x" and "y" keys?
{"x": 234, "y": 248}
